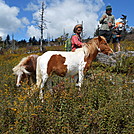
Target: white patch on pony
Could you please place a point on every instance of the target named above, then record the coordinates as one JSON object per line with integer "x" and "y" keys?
{"x": 98, "y": 49}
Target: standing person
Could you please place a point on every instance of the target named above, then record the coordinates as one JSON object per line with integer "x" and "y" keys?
{"x": 107, "y": 22}
{"x": 117, "y": 36}
{"x": 76, "y": 39}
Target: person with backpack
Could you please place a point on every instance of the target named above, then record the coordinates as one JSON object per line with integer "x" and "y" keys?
{"x": 117, "y": 35}
{"x": 107, "y": 22}
{"x": 76, "y": 39}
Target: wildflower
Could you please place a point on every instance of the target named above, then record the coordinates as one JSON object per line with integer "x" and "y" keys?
{"x": 6, "y": 85}
{"x": 11, "y": 128}
{"x": 36, "y": 107}
{"x": 14, "y": 109}
{"x": 85, "y": 125}
{"x": 34, "y": 114}
{"x": 88, "y": 113}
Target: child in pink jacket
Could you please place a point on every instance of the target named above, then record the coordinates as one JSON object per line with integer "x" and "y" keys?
{"x": 76, "y": 38}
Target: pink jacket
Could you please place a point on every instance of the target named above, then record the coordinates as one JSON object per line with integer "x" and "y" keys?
{"x": 76, "y": 42}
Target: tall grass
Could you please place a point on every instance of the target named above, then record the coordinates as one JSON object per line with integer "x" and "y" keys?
{"x": 104, "y": 106}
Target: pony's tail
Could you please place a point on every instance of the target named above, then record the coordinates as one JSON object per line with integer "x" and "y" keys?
{"x": 38, "y": 73}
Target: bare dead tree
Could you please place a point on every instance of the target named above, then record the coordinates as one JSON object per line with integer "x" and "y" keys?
{"x": 42, "y": 24}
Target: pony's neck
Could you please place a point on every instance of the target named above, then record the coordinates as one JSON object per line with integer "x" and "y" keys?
{"x": 90, "y": 49}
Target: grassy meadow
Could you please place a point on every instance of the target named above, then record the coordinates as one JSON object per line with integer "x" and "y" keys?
{"x": 104, "y": 106}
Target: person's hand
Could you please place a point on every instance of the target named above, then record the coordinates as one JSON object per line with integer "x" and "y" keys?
{"x": 83, "y": 44}
{"x": 118, "y": 35}
{"x": 104, "y": 16}
{"x": 109, "y": 24}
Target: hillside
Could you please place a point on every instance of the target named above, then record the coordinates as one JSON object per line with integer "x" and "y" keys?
{"x": 105, "y": 104}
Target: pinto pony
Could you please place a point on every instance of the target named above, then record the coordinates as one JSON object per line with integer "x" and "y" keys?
{"x": 26, "y": 69}
{"x": 69, "y": 63}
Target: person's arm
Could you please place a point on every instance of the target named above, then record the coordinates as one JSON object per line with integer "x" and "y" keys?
{"x": 113, "y": 22}
{"x": 103, "y": 18}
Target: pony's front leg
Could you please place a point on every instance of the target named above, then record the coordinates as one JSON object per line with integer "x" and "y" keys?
{"x": 41, "y": 95}
{"x": 44, "y": 79}
{"x": 81, "y": 75}
{"x": 39, "y": 85}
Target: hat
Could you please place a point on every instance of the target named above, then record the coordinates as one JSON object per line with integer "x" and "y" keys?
{"x": 77, "y": 26}
{"x": 108, "y": 7}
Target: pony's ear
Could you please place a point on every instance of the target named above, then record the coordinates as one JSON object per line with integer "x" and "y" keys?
{"x": 25, "y": 70}
{"x": 99, "y": 38}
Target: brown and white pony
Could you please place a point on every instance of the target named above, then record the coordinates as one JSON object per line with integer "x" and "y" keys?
{"x": 69, "y": 63}
{"x": 26, "y": 69}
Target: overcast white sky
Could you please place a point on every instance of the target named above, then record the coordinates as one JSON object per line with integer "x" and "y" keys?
{"x": 17, "y": 17}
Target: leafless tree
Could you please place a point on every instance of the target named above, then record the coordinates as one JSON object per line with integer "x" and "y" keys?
{"x": 41, "y": 24}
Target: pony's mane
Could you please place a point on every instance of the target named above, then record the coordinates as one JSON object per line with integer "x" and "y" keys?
{"x": 93, "y": 43}
{"x": 23, "y": 61}
{"x": 19, "y": 69}
{"x": 86, "y": 49}
{"x": 90, "y": 47}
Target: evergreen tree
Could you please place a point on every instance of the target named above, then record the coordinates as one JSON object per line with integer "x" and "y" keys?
{"x": 30, "y": 41}
{"x": 7, "y": 41}
{"x": 34, "y": 41}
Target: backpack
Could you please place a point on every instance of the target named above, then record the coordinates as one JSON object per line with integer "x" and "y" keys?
{"x": 68, "y": 44}
{"x": 119, "y": 25}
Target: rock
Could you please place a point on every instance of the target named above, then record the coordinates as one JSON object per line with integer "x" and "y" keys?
{"x": 112, "y": 59}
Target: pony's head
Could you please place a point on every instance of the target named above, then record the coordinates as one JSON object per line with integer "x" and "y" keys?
{"x": 21, "y": 73}
{"x": 25, "y": 69}
{"x": 102, "y": 45}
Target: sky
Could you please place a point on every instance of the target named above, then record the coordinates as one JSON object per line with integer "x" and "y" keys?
{"x": 18, "y": 18}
